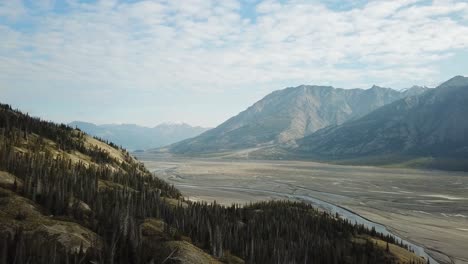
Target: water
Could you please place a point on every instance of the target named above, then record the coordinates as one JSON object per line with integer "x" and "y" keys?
{"x": 355, "y": 218}
{"x": 344, "y": 213}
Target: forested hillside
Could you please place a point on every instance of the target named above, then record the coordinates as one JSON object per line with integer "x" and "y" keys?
{"x": 66, "y": 197}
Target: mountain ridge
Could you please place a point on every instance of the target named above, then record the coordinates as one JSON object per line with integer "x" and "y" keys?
{"x": 135, "y": 137}
{"x": 289, "y": 114}
{"x": 431, "y": 124}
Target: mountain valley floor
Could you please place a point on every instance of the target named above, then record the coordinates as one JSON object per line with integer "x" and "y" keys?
{"x": 427, "y": 207}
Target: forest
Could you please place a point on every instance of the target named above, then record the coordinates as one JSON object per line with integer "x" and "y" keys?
{"x": 121, "y": 195}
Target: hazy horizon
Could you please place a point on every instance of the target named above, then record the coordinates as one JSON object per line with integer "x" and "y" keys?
{"x": 201, "y": 62}
{"x": 172, "y": 122}
{"x": 132, "y": 124}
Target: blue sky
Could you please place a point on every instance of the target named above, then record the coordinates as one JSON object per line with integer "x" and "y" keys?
{"x": 203, "y": 61}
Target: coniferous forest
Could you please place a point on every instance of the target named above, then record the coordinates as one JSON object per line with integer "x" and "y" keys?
{"x": 66, "y": 199}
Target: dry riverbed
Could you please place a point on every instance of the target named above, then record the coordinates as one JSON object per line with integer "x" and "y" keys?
{"x": 429, "y": 208}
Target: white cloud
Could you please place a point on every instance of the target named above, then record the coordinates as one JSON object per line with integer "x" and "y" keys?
{"x": 12, "y": 9}
{"x": 268, "y": 6}
{"x": 208, "y": 45}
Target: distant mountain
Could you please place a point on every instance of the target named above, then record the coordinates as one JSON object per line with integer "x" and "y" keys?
{"x": 432, "y": 124}
{"x": 289, "y": 114}
{"x": 134, "y": 137}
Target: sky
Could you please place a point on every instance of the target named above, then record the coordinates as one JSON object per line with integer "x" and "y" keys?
{"x": 203, "y": 61}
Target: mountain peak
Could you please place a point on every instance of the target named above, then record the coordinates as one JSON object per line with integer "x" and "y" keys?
{"x": 305, "y": 88}
{"x": 378, "y": 87}
{"x": 414, "y": 90}
{"x": 81, "y": 124}
{"x": 456, "y": 81}
{"x": 173, "y": 123}
{"x": 286, "y": 115}
{"x": 134, "y": 137}
{"x": 417, "y": 87}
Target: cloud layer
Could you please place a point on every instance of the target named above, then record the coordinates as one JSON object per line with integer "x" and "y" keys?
{"x": 207, "y": 46}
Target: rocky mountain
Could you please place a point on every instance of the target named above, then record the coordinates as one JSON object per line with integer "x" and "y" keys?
{"x": 433, "y": 124}
{"x": 134, "y": 137}
{"x": 290, "y": 114}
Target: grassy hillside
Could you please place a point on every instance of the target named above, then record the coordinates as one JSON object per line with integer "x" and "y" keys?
{"x": 66, "y": 197}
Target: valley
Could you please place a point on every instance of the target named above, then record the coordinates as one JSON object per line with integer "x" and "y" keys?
{"x": 66, "y": 197}
{"x": 234, "y": 132}
{"x": 427, "y": 207}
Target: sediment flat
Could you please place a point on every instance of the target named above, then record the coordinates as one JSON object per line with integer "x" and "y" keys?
{"x": 428, "y": 207}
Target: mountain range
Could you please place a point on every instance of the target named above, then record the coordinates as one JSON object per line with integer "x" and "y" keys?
{"x": 290, "y": 114}
{"x": 432, "y": 124}
{"x": 134, "y": 137}
{"x": 373, "y": 126}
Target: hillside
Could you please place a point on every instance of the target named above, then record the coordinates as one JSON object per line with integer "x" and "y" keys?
{"x": 68, "y": 198}
{"x": 134, "y": 137}
{"x": 432, "y": 124}
{"x": 286, "y": 115}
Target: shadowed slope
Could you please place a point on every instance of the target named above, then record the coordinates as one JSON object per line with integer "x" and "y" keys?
{"x": 431, "y": 124}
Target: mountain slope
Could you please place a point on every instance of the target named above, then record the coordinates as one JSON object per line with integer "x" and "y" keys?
{"x": 431, "y": 124}
{"x": 290, "y": 114}
{"x": 66, "y": 197}
{"x": 134, "y": 137}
